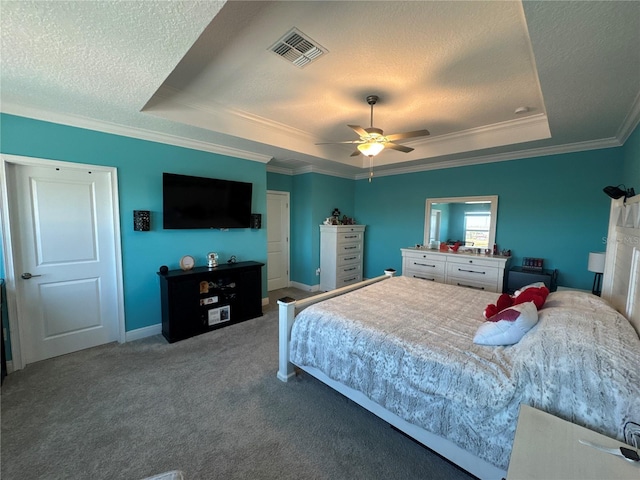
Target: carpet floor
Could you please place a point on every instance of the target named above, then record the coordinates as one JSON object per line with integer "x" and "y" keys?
{"x": 209, "y": 406}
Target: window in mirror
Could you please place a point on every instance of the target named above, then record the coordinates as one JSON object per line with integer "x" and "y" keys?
{"x": 470, "y": 220}
{"x": 476, "y": 229}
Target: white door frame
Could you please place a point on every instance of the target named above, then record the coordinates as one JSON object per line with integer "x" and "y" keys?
{"x": 17, "y": 350}
{"x": 287, "y": 225}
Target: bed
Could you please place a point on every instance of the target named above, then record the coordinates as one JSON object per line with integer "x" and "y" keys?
{"x": 403, "y": 348}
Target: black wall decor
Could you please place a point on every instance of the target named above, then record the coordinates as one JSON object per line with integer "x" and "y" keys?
{"x": 141, "y": 220}
{"x": 256, "y": 220}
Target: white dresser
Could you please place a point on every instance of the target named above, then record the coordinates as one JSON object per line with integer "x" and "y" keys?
{"x": 484, "y": 272}
{"x": 341, "y": 253}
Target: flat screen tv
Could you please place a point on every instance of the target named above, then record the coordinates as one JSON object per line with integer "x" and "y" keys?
{"x": 198, "y": 202}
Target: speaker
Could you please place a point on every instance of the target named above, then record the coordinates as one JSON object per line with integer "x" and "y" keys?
{"x": 164, "y": 269}
{"x": 256, "y": 220}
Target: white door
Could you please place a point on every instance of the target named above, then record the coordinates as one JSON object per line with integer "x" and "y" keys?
{"x": 277, "y": 240}
{"x": 63, "y": 228}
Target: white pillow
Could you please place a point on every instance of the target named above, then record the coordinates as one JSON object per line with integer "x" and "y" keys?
{"x": 507, "y": 326}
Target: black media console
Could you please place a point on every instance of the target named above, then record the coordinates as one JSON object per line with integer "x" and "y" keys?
{"x": 203, "y": 299}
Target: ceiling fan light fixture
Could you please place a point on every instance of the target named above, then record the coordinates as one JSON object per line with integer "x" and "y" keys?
{"x": 371, "y": 149}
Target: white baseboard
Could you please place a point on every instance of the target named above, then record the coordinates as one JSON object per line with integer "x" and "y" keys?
{"x": 265, "y": 301}
{"x": 144, "y": 332}
{"x": 9, "y": 366}
{"x": 306, "y": 288}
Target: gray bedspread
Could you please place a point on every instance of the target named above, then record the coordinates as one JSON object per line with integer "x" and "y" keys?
{"x": 408, "y": 345}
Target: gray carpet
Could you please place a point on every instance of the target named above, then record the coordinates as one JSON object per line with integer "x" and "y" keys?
{"x": 210, "y": 406}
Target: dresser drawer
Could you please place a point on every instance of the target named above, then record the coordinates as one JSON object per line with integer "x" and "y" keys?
{"x": 350, "y": 237}
{"x": 471, "y": 283}
{"x": 348, "y": 279}
{"x": 424, "y": 266}
{"x": 473, "y": 272}
{"x": 349, "y": 269}
{"x": 423, "y": 275}
{"x": 352, "y": 248}
{"x": 469, "y": 260}
{"x": 349, "y": 258}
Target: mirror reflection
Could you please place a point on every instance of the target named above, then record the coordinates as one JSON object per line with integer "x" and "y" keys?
{"x": 468, "y": 220}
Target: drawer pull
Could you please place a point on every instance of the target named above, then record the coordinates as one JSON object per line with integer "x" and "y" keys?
{"x": 350, "y": 248}
{"x": 350, "y": 258}
{"x": 351, "y": 236}
{"x": 349, "y": 269}
{"x": 424, "y": 265}
{"x": 424, "y": 278}
{"x": 470, "y": 286}
{"x": 349, "y": 279}
{"x": 471, "y": 271}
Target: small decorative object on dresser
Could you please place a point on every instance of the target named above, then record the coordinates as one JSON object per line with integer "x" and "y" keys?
{"x": 187, "y": 262}
{"x": 212, "y": 259}
{"x": 482, "y": 272}
{"x": 341, "y": 250}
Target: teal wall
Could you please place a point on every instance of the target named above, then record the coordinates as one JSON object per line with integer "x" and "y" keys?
{"x": 551, "y": 207}
{"x": 313, "y": 198}
{"x": 279, "y": 182}
{"x": 140, "y": 165}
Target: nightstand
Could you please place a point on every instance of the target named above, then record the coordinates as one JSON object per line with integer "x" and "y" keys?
{"x": 518, "y": 277}
{"x": 548, "y": 448}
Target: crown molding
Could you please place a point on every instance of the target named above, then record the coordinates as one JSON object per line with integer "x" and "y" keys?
{"x": 630, "y": 122}
{"x": 131, "y": 132}
{"x": 626, "y": 129}
{"x": 503, "y": 157}
{"x": 280, "y": 170}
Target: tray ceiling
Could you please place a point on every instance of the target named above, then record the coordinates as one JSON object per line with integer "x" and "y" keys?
{"x": 204, "y": 74}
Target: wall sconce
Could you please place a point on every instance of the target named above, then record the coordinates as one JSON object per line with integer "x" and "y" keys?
{"x": 256, "y": 220}
{"x": 596, "y": 265}
{"x": 141, "y": 220}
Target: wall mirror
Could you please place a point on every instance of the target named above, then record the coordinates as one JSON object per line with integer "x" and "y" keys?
{"x": 470, "y": 220}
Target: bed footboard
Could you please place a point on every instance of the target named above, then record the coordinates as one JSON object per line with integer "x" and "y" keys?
{"x": 286, "y": 315}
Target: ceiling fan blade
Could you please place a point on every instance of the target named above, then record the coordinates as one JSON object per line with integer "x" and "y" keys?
{"x": 355, "y": 154}
{"x": 359, "y": 130}
{"x": 338, "y": 143}
{"x": 399, "y": 136}
{"x": 400, "y": 148}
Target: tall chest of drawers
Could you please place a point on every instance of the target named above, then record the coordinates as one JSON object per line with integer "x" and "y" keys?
{"x": 341, "y": 255}
{"x": 482, "y": 272}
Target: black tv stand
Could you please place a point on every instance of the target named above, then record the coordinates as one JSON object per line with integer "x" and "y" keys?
{"x": 204, "y": 299}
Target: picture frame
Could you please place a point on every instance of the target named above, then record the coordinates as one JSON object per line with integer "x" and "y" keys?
{"x": 219, "y": 315}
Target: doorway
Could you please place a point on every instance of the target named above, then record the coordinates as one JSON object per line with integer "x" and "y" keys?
{"x": 63, "y": 257}
{"x": 277, "y": 239}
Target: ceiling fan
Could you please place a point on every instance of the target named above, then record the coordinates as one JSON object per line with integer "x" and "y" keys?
{"x": 372, "y": 140}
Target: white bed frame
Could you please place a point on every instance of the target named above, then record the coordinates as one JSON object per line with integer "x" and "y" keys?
{"x": 621, "y": 287}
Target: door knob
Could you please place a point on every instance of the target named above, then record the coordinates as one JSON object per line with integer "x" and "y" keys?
{"x": 27, "y": 276}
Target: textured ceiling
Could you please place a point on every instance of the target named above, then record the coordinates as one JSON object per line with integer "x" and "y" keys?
{"x": 201, "y": 74}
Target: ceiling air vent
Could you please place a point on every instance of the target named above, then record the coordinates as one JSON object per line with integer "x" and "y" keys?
{"x": 297, "y": 48}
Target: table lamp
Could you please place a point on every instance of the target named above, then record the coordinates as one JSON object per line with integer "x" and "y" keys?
{"x": 596, "y": 265}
